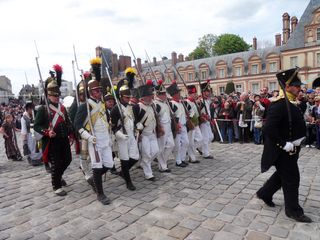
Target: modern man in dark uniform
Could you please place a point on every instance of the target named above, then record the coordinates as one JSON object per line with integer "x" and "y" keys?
{"x": 283, "y": 136}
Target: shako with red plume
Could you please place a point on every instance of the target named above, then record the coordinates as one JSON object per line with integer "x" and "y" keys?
{"x": 160, "y": 89}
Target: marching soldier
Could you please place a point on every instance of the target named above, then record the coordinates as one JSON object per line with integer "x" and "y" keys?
{"x": 123, "y": 128}
{"x": 85, "y": 164}
{"x": 284, "y": 130}
{"x": 92, "y": 124}
{"x": 194, "y": 135}
{"x": 109, "y": 104}
{"x": 205, "y": 118}
{"x": 165, "y": 142}
{"x": 55, "y": 126}
{"x": 181, "y": 139}
{"x": 145, "y": 122}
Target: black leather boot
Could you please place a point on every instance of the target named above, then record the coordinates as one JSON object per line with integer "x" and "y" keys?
{"x": 125, "y": 166}
{"x": 97, "y": 179}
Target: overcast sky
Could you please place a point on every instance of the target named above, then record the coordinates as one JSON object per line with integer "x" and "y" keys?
{"x": 153, "y": 25}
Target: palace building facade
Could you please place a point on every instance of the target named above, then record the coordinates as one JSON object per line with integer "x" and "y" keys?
{"x": 298, "y": 45}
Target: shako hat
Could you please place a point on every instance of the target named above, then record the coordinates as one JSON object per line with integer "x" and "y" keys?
{"x": 205, "y": 86}
{"x": 160, "y": 89}
{"x": 146, "y": 90}
{"x": 173, "y": 88}
{"x": 191, "y": 89}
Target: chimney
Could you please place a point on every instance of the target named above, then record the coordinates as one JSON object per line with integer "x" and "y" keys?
{"x": 286, "y": 28}
{"x": 254, "y": 43}
{"x": 127, "y": 61}
{"x": 115, "y": 65}
{"x": 278, "y": 39}
{"x": 98, "y": 51}
{"x": 139, "y": 64}
{"x": 294, "y": 22}
{"x": 181, "y": 57}
{"x": 174, "y": 58}
{"x": 122, "y": 63}
{"x": 154, "y": 61}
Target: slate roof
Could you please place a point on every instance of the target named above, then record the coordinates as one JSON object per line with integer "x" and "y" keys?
{"x": 296, "y": 39}
{"x": 212, "y": 61}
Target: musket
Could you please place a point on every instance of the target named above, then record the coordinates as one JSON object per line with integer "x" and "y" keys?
{"x": 136, "y": 66}
{"x": 166, "y": 101}
{"x": 42, "y": 85}
{"x": 114, "y": 94}
{"x": 207, "y": 112}
{"x": 75, "y": 83}
{"x": 185, "y": 85}
{"x": 158, "y": 125}
{"x": 87, "y": 104}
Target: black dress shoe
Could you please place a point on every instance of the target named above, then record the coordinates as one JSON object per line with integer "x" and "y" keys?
{"x": 185, "y": 163}
{"x": 302, "y": 218}
{"x": 268, "y": 202}
{"x": 103, "y": 199}
{"x": 130, "y": 186}
{"x": 182, "y": 164}
{"x": 208, "y": 157}
{"x": 60, "y": 192}
{"x": 165, "y": 171}
{"x": 152, "y": 179}
{"x": 196, "y": 161}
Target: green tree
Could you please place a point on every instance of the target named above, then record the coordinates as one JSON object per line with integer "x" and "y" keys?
{"x": 230, "y": 43}
{"x": 198, "y": 53}
{"x": 230, "y": 87}
{"x": 204, "y": 48}
{"x": 207, "y": 42}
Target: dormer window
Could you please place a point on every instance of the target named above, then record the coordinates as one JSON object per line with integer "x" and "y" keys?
{"x": 254, "y": 69}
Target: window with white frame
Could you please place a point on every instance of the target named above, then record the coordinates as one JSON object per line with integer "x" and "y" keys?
{"x": 237, "y": 71}
{"x": 273, "y": 67}
{"x": 254, "y": 69}
{"x": 239, "y": 88}
{"x": 255, "y": 88}
{"x": 203, "y": 75}
{"x": 221, "y": 89}
{"x": 272, "y": 86}
{"x": 190, "y": 77}
{"x": 318, "y": 59}
{"x": 293, "y": 62}
{"x": 318, "y": 34}
{"x": 221, "y": 73}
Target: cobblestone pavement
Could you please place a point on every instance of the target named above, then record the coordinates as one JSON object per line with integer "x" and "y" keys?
{"x": 211, "y": 200}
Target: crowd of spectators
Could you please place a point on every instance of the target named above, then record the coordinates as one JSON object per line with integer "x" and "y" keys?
{"x": 240, "y": 116}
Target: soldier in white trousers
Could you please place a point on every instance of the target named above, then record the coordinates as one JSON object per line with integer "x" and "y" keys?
{"x": 123, "y": 128}
{"x": 145, "y": 120}
{"x": 165, "y": 142}
{"x": 181, "y": 139}
{"x": 205, "y": 118}
{"x": 194, "y": 135}
{"x": 96, "y": 132}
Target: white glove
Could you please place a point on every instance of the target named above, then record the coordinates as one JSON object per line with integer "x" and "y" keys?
{"x": 298, "y": 141}
{"x": 121, "y": 135}
{"x": 139, "y": 126}
{"x": 288, "y": 147}
{"x": 87, "y": 136}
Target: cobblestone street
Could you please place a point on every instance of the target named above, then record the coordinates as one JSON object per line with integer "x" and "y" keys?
{"x": 211, "y": 200}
